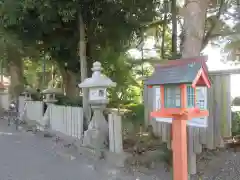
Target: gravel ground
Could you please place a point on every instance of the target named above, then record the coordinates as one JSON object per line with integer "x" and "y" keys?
{"x": 224, "y": 165}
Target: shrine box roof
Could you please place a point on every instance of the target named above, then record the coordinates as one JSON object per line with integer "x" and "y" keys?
{"x": 179, "y": 71}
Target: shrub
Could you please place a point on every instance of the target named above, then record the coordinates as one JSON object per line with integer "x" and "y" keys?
{"x": 135, "y": 114}
{"x": 236, "y": 101}
{"x": 235, "y": 123}
{"x": 36, "y": 97}
{"x": 66, "y": 101}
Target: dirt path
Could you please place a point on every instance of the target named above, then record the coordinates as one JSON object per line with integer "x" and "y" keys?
{"x": 217, "y": 165}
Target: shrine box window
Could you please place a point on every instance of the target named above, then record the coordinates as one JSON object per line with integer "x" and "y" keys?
{"x": 190, "y": 96}
{"x": 172, "y": 97}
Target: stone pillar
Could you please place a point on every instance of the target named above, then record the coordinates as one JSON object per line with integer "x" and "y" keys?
{"x": 115, "y": 133}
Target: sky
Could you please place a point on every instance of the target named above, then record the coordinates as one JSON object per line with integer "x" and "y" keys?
{"x": 214, "y": 62}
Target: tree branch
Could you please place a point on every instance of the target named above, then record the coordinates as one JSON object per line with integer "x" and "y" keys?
{"x": 213, "y": 25}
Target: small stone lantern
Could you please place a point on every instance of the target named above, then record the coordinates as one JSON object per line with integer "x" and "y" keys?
{"x": 28, "y": 93}
{"x": 98, "y": 127}
{"x": 51, "y": 94}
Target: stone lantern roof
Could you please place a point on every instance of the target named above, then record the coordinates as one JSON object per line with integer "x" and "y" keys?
{"x": 98, "y": 79}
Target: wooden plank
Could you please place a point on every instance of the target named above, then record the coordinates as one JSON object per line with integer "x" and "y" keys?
{"x": 69, "y": 111}
{"x": 218, "y": 113}
{"x": 150, "y": 100}
{"x": 169, "y": 140}
{"x": 203, "y": 131}
{"x": 192, "y": 164}
{"x": 75, "y": 121}
{"x": 57, "y": 119}
{"x": 228, "y": 109}
{"x": 210, "y": 130}
{"x": 196, "y": 141}
{"x": 164, "y": 132}
{"x": 225, "y": 72}
{"x": 152, "y": 107}
{"x": 64, "y": 110}
{"x": 80, "y": 123}
{"x": 159, "y": 129}
{"x": 203, "y": 136}
{"x": 157, "y": 106}
{"x": 146, "y": 102}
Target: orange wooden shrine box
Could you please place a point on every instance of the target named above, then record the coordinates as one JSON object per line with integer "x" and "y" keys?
{"x": 178, "y": 80}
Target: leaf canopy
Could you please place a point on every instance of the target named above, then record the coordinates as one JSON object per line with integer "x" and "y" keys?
{"x": 52, "y": 26}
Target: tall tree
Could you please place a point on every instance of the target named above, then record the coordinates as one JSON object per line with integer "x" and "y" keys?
{"x": 60, "y": 28}
{"x": 174, "y": 27}
{"x": 11, "y": 53}
{"x": 194, "y": 26}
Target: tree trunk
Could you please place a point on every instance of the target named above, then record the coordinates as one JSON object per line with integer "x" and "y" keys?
{"x": 15, "y": 67}
{"x": 194, "y": 26}
{"x": 83, "y": 67}
{"x": 69, "y": 83}
{"x": 174, "y": 28}
{"x": 163, "y": 34}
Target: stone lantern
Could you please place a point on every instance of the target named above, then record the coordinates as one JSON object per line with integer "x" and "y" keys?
{"x": 28, "y": 93}
{"x": 49, "y": 98}
{"x": 50, "y": 94}
{"x": 97, "y": 132}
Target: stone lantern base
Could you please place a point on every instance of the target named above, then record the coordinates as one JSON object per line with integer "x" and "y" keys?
{"x": 94, "y": 138}
{"x": 97, "y": 134}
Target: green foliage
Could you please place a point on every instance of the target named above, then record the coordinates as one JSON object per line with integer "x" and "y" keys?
{"x": 66, "y": 101}
{"x": 235, "y": 123}
{"x": 117, "y": 66}
{"x": 36, "y": 97}
{"x": 135, "y": 114}
{"x": 236, "y": 101}
{"x": 53, "y": 25}
{"x": 33, "y": 71}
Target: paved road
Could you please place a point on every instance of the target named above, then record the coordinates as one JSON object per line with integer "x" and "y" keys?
{"x": 24, "y": 156}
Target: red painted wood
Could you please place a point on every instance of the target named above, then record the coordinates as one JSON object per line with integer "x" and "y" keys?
{"x": 201, "y": 79}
